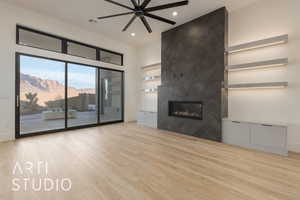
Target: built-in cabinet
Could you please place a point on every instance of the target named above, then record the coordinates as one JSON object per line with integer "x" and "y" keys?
{"x": 147, "y": 118}
{"x": 265, "y": 137}
{"x": 259, "y": 136}
{"x": 150, "y": 81}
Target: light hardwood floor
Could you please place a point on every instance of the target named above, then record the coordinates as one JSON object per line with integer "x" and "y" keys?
{"x": 129, "y": 162}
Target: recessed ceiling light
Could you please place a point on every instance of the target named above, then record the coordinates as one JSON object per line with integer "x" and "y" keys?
{"x": 132, "y": 34}
{"x": 175, "y": 14}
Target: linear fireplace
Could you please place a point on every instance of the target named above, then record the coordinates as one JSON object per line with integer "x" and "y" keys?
{"x": 186, "y": 109}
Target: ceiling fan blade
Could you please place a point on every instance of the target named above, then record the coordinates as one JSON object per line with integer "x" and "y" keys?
{"x": 146, "y": 24}
{"x": 166, "y": 6}
{"x": 119, "y": 4}
{"x": 160, "y": 18}
{"x": 134, "y": 3}
{"x": 145, "y": 3}
{"x": 129, "y": 23}
{"x": 109, "y": 16}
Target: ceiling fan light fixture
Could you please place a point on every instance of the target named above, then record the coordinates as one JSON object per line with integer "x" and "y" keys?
{"x": 132, "y": 34}
{"x": 141, "y": 10}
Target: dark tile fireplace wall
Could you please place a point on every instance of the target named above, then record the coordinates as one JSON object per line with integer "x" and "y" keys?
{"x": 193, "y": 69}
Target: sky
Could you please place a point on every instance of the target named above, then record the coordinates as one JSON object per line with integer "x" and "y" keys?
{"x": 79, "y": 76}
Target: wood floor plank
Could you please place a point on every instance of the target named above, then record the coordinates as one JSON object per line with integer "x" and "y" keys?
{"x": 130, "y": 162}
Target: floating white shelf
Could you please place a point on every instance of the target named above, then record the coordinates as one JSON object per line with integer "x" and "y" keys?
{"x": 152, "y": 78}
{"x": 282, "y": 39}
{"x": 258, "y": 65}
{"x": 269, "y": 85}
{"x": 150, "y": 90}
{"x": 148, "y": 111}
{"x": 152, "y": 67}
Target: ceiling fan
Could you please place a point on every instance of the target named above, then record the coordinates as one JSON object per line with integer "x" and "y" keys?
{"x": 140, "y": 10}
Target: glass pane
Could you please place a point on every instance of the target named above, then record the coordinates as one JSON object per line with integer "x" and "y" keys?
{"x": 112, "y": 58}
{"x": 111, "y": 96}
{"x": 42, "y": 94}
{"x": 37, "y": 40}
{"x": 81, "y": 50}
{"x": 82, "y": 96}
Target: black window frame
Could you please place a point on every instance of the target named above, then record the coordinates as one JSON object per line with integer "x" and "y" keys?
{"x": 107, "y": 51}
{"x": 81, "y": 44}
{"x": 66, "y": 127}
{"x": 41, "y": 33}
{"x": 64, "y": 45}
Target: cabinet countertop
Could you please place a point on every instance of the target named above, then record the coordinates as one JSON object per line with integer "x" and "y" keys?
{"x": 258, "y": 122}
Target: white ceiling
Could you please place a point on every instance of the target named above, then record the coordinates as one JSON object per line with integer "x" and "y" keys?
{"x": 80, "y": 11}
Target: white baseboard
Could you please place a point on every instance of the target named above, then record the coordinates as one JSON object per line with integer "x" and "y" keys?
{"x": 5, "y": 138}
{"x": 131, "y": 121}
{"x": 294, "y": 147}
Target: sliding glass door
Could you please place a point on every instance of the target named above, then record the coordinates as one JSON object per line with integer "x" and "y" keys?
{"x": 111, "y": 96}
{"x": 82, "y": 95}
{"x": 41, "y": 95}
{"x": 54, "y": 95}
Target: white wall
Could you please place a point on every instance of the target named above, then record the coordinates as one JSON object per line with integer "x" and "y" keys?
{"x": 150, "y": 54}
{"x": 10, "y": 16}
{"x": 262, "y": 19}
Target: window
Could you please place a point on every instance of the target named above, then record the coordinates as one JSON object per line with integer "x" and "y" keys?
{"x": 41, "y": 95}
{"x": 111, "y": 95}
{"x": 109, "y": 57}
{"x": 54, "y": 95}
{"x": 82, "y": 95}
{"x": 41, "y": 40}
{"x": 37, "y": 40}
{"x": 81, "y": 51}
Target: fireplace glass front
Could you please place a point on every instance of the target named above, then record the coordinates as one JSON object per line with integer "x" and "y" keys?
{"x": 186, "y": 109}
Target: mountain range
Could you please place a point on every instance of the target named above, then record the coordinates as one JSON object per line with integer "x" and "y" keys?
{"x": 47, "y": 90}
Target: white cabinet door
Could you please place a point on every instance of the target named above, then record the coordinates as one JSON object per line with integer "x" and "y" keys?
{"x": 152, "y": 120}
{"x": 262, "y": 137}
{"x": 147, "y": 119}
{"x": 236, "y": 133}
{"x": 141, "y": 118}
{"x": 269, "y": 138}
